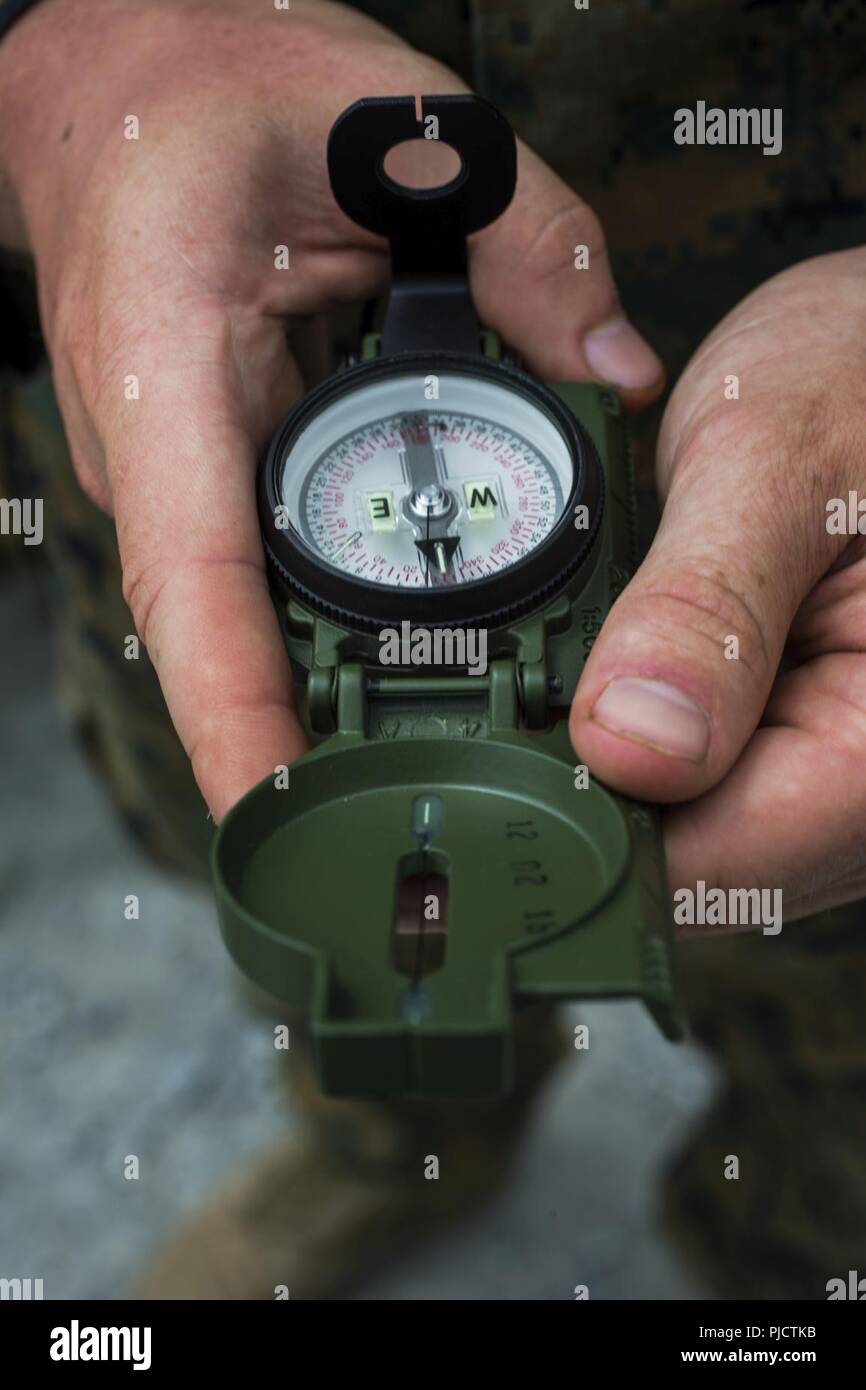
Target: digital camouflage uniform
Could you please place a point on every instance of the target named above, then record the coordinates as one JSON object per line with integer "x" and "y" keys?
{"x": 691, "y": 230}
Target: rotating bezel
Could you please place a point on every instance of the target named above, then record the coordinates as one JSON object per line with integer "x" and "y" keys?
{"x": 489, "y": 601}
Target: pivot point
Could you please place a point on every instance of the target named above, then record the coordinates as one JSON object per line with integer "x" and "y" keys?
{"x": 430, "y": 500}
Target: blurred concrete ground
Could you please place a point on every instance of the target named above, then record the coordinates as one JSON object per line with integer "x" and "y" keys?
{"x": 120, "y": 1037}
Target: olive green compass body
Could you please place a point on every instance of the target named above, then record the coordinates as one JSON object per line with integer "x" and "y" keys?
{"x": 445, "y": 537}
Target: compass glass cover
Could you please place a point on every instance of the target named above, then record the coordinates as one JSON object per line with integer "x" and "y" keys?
{"x": 389, "y": 486}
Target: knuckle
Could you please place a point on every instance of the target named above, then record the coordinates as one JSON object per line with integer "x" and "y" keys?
{"x": 785, "y": 461}
{"x": 574, "y": 222}
{"x": 710, "y": 600}
{"x": 93, "y": 483}
{"x": 74, "y": 329}
{"x": 142, "y": 587}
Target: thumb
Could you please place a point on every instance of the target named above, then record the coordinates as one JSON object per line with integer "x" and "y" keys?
{"x": 680, "y": 674}
{"x": 541, "y": 277}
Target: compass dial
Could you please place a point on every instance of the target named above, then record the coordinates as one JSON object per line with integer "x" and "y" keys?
{"x": 425, "y": 481}
{"x": 433, "y": 487}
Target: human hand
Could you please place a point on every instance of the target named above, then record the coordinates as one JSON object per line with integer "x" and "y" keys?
{"x": 770, "y": 767}
{"x": 155, "y": 260}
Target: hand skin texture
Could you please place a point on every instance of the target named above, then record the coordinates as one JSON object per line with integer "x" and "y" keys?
{"x": 776, "y": 760}
{"x": 156, "y": 257}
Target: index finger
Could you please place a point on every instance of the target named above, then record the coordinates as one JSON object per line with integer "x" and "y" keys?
{"x": 181, "y": 463}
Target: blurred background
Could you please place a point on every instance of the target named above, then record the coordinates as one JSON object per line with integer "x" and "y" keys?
{"x": 132, "y": 1037}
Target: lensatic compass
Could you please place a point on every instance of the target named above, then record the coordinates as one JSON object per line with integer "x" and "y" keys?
{"x": 439, "y": 858}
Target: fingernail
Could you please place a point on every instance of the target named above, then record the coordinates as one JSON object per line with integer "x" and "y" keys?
{"x": 617, "y": 353}
{"x": 655, "y": 713}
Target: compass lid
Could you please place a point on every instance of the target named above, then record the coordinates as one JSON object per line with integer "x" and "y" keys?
{"x": 411, "y": 893}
